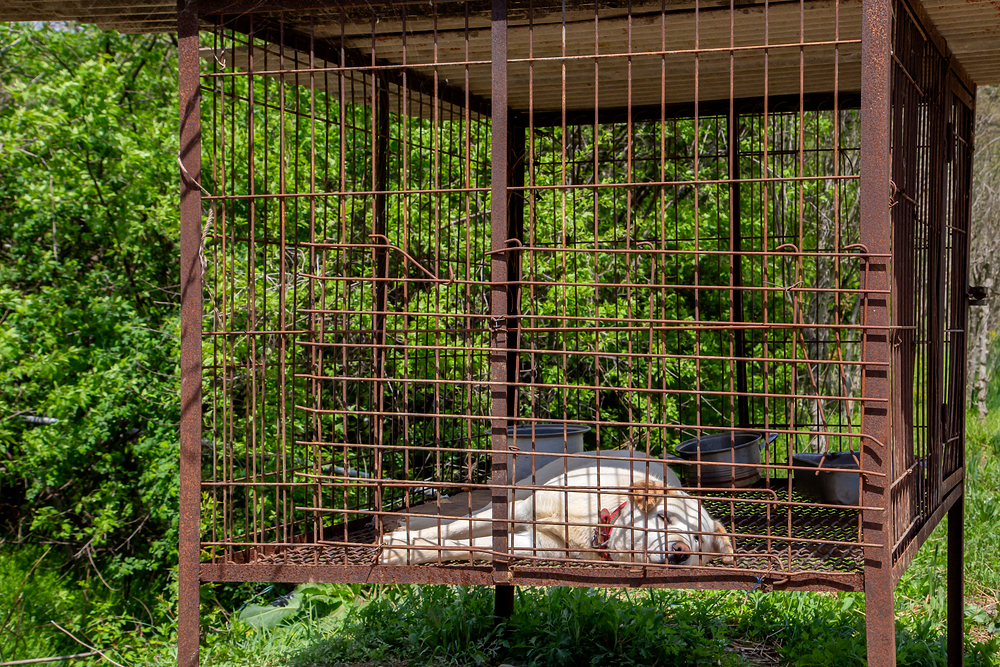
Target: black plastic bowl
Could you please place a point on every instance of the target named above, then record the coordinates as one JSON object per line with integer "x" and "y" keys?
{"x": 834, "y": 483}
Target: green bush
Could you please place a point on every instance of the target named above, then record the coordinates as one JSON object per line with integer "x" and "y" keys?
{"x": 88, "y": 297}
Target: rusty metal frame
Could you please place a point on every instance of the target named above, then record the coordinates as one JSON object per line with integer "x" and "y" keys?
{"x": 876, "y": 235}
{"x": 500, "y": 322}
{"x": 896, "y": 514}
{"x": 189, "y": 551}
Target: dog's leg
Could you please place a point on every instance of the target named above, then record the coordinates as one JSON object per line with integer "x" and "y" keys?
{"x": 477, "y": 549}
{"x": 455, "y": 537}
{"x": 395, "y": 553}
{"x": 480, "y": 524}
{"x": 450, "y": 533}
{"x": 523, "y": 545}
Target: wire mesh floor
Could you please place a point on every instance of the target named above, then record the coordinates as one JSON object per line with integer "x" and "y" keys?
{"x": 835, "y": 532}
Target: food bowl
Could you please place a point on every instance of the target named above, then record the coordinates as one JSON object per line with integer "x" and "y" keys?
{"x": 832, "y": 484}
{"x": 731, "y": 447}
{"x": 542, "y": 439}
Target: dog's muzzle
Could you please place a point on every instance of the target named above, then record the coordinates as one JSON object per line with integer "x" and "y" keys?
{"x": 679, "y": 553}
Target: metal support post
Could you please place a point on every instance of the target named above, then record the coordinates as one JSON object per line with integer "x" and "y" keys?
{"x": 189, "y": 548}
{"x": 499, "y": 310}
{"x": 956, "y": 580}
{"x": 877, "y": 318}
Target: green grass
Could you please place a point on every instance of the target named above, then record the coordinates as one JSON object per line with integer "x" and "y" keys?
{"x": 575, "y": 626}
{"x": 39, "y": 595}
{"x": 325, "y": 625}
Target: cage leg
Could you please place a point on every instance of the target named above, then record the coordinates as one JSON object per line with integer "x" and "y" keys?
{"x": 188, "y": 622}
{"x": 503, "y": 601}
{"x": 956, "y": 582}
{"x": 880, "y": 621}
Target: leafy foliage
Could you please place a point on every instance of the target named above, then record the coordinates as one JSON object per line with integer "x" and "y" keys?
{"x": 87, "y": 298}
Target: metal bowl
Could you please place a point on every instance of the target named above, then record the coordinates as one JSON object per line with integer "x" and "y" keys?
{"x": 535, "y": 440}
{"x": 731, "y": 447}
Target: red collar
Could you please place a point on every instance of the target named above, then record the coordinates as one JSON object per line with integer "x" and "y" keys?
{"x": 603, "y": 532}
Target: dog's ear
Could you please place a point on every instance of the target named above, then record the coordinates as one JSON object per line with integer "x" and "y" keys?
{"x": 720, "y": 543}
{"x": 646, "y": 494}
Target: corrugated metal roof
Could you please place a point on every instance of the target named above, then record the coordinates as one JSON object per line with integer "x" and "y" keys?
{"x": 652, "y": 64}
{"x": 969, "y": 28}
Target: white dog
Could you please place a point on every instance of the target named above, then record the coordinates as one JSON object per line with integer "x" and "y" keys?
{"x": 620, "y": 508}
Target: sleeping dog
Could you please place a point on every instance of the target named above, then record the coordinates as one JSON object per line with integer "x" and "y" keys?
{"x": 620, "y": 507}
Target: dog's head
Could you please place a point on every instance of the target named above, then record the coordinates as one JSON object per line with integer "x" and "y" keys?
{"x": 670, "y": 526}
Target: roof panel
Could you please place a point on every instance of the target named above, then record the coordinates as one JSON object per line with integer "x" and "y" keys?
{"x": 970, "y": 29}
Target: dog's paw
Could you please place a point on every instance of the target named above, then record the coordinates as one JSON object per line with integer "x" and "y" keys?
{"x": 722, "y": 544}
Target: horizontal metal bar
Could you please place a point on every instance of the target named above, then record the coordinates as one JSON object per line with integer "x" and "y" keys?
{"x": 595, "y": 574}
{"x": 255, "y": 332}
{"x": 582, "y": 387}
{"x": 776, "y": 105}
{"x": 537, "y": 188}
{"x": 209, "y": 8}
{"x": 687, "y": 52}
{"x": 343, "y": 193}
{"x": 642, "y": 246}
{"x": 436, "y": 64}
{"x": 604, "y": 424}
{"x": 652, "y": 286}
{"x": 658, "y": 325}
{"x": 669, "y": 391}
{"x": 465, "y": 349}
{"x": 591, "y": 490}
{"x": 345, "y": 481}
{"x": 360, "y": 68}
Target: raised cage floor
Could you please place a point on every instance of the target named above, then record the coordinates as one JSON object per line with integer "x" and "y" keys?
{"x": 773, "y": 563}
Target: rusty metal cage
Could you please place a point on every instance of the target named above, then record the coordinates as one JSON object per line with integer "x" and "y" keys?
{"x": 416, "y": 235}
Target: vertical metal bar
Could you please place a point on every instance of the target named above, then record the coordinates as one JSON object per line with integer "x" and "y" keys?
{"x": 960, "y": 274}
{"x": 249, "y": 458}
{"x": 939, "y": 281}
{"x": 907, "y": 229}
{"x": 281, "y": 520}
{"x": 499, "y": 223}
{"x": 437, "y": 204}
{"x": 261, "y": 359}
{"x": 956, "y": 578}
{"x": 315, "y": 322}
{"x": 876, "y": 122}
{"x": 736, "y": 241}
{"x": 516, "y": 140}
{"x": 467, "y": 161}
{"x": 189, "y": 546}
{"x": 379, "y": 184}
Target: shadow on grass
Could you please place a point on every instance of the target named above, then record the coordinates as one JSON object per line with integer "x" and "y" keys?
{"x": 574, "y": 627}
